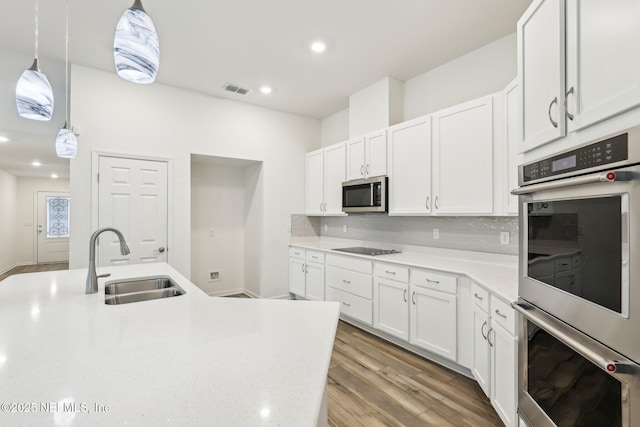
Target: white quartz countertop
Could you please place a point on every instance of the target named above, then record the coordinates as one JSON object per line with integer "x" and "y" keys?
{"x": 187, "y": 360}
{"x": 499, "y": 276}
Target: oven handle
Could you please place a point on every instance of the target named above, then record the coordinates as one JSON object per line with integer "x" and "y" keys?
{"x": 611, "y": 364}
{"x": 570, "y": 182}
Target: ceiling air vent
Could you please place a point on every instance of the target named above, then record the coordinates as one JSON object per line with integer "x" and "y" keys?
{"x": 230, "y": 87}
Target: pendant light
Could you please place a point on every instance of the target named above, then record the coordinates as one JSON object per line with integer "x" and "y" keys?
{"x": 66, "y": 142}
{"x": 136, "y": 49}
{"x": 34, "y": 97}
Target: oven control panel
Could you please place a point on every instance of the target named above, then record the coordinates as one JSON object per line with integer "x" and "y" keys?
{"x": 600, "y": 153}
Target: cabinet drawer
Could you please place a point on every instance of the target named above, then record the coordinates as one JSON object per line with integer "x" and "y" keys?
{"x": 563, "y": 264}
{"x": 350, "y": 263}
{"x": 297, "y": 253}
{"x": 503, "y": 314}
{"x": 315, "y": 256}
{"x": 433, "y": 280}
{"x": 350, "y": 281}
{"x": 352, "y": 305}
{"x": 390, "y": 271}
{"x": 480, "y": 297}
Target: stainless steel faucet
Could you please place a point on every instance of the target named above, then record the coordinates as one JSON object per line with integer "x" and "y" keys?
{"x": 92, "y": 278}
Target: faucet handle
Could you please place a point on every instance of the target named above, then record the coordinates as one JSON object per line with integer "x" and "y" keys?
{"x": 104, "y": 275}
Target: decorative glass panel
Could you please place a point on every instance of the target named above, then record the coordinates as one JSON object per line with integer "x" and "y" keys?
{"x": 57, "y": 217}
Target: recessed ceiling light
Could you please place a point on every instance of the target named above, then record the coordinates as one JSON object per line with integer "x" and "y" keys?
{"x": 54, "y": 175}
{"x": 36, "y": 163}
{"x": 266, "y": 90}
{"x": 318, "y": 46}
{"x": 4, "y": 139}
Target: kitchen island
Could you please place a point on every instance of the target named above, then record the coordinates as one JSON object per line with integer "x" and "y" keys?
{"x": 67, "y": 358}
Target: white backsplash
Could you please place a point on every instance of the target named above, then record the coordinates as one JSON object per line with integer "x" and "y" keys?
{"x": 480, "y": 234}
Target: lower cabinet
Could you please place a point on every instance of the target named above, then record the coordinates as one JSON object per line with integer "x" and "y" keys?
{"x": 433, "y": 321}
{"x": 306, "y": 274}
{"x": 391, "y": 300}
{"x": 495, "y": 352}
{"x": 349, "y": 282}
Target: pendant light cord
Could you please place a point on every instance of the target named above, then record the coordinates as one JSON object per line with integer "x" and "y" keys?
{"x": 66, "y": 67}
{"x": 36, "y": 34}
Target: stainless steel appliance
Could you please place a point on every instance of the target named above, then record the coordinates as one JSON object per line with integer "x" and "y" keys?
{"x": 579, "y": 232}
{"x": 368, "y": 251}
{"x": 365, "y": 195}
{"x": 569, "y": 379}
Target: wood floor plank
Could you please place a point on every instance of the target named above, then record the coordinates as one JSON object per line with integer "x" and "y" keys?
{"x": 35, "y": 269}
{"x": 369, "y": 382}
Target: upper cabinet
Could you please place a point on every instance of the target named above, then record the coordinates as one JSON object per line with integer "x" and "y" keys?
{"x": 602, "y": 58}
{"x": 410, "y": 167}
{"x": 541, "y": 41}
{"x": 325, "y": 174}
{"x": 510, "y": 138}
{"x": 367, "y": 156}
{"x": 463, "y": 158}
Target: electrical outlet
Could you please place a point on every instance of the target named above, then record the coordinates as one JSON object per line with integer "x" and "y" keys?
{"x": 288, "y": 228}
{"x": 214, "y": 276}
{"x": 436, "y": 233}
{"x": 326, "y": 227}
{"x": 344, "y": 228}
{"x": 504, "y": 237}
{"x": 211, "y": 232}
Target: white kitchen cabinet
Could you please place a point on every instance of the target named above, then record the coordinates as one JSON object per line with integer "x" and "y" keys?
{"x": 306, "y": 274}
{"x": 391, "y": 300}
{"x": 349, "y": 281}
{"x": 325, "y": 174}
{"x": 463, "y": 158}
{"x": 367, "y": 156}
{"x": 410, "y": 167}
{"x": 578, "y": 64}
{"x": 495, "y": 352}
{"x": 602, "y": 60}
{"x": 541, "y": 72}
{"x": 433, "y": 313}
{"x": 511, "y": 144}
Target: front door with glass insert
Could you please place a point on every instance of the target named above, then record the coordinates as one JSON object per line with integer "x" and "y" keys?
{"x": 53, "y": 227}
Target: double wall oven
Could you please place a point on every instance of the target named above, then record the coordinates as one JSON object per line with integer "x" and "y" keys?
{"x": 579, "y": 285}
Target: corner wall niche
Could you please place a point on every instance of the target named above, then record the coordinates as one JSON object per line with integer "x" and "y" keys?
{"x": 226, "y": 225}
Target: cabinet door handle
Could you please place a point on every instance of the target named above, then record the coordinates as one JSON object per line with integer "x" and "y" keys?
{"x": 504, "y": 316}
{"x": 320, "y": 207}
{"x": 553, "y": 122}
{"x": 314, "y": 257}
{"x": 404, "y": 295}
{"x": 427, "y": 203}
{"x": 303, "y": 268}
{"x": 475, "y": 294}
{"x": 437, "y": 282}
{"x": 489, "y": 337}
{"x": 569, "y": 115}
{"x": 436, "y": 202}
{"x": 362, "y": 170}
{"x": 367, "y": 169}
{"x": 390, "y": 272}
{"x": 346, "y": 281}
{"x": 325, "y": 207}
{"x": 413, "y": 297}
{"x": 348, "y": 305}
{"x": 482, "y": 330}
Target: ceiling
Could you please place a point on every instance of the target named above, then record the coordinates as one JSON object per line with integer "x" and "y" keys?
{"x": 207, "y": 43}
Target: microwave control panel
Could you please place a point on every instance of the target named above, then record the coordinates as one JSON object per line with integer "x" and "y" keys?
{"x": 600, "y": 153}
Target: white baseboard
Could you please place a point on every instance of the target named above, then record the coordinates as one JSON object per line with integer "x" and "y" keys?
{"x": 12, "y": 266}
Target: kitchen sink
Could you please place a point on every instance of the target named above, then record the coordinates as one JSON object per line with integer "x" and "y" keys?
{"x": 126, "y": 286}
{"x": 126, "y": 291}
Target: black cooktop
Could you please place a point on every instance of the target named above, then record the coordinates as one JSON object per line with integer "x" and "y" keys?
{"x": 368, "y": 251}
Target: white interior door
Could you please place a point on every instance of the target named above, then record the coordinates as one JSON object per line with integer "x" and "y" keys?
{"x": 53, "y": 227}
{"x": 132, "y": 197}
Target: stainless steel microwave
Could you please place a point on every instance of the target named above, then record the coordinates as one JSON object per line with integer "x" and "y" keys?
{"x": 365, "y": 195}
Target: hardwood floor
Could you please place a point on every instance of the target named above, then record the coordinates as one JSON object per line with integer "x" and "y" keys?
{"x": 375, "y": 383}
{"x": 35, "y": 268}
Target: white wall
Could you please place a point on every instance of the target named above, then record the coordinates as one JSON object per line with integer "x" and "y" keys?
{"x": 118, "y": 116}
{"x": 335, "y": 128}
{"x": 254, "y": 228}
{"x": 217, "y": 227}
{"x": 375, "y": 107}
{"x": 481, "y": 72}
{"x": 9, "y": 200}
{"x": 27, "y": 206}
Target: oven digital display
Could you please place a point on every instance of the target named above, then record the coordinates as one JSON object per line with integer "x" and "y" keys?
{"x": 563, "y": 164}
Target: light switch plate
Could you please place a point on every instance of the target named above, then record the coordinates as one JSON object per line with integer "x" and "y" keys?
{"x": 504, "y": 237}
